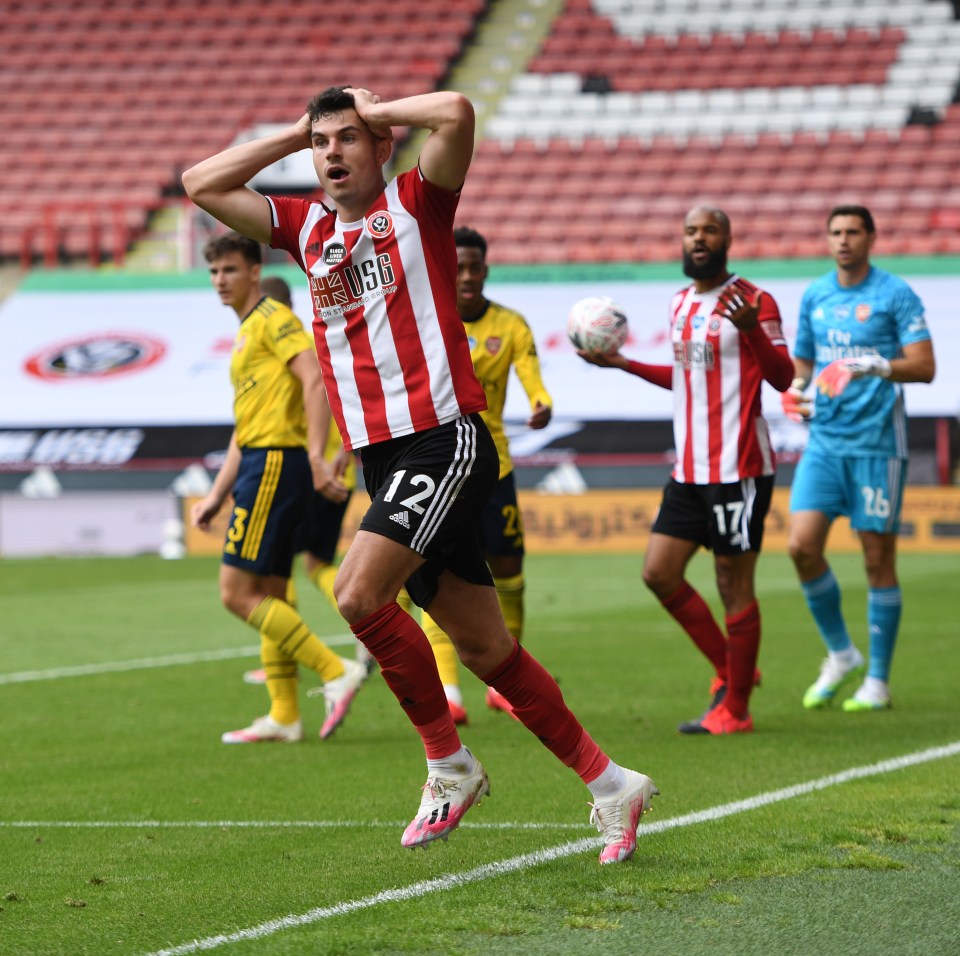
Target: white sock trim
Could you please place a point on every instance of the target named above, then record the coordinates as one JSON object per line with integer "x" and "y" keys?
{"x": 609, "y": 783}
{"x": 459, "y": 764}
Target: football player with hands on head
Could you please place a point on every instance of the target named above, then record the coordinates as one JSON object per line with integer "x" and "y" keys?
{"x": 727, "y": 341}
{"x": 381, "y": 265}
{"x": 862, "y": 332}
{"x": 500, "y": 340}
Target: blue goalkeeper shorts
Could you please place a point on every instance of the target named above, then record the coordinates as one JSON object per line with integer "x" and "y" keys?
{"x": 869, "y": 491}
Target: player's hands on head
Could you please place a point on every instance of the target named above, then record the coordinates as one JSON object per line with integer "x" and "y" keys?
{"x": 304, "y": 125}
{"x": 737, "y": 305}
{"x": 365, "y": 102}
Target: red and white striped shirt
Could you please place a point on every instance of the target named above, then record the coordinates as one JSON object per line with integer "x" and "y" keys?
{"x": 392, "y": 347}
{"x": 720, "y": 434}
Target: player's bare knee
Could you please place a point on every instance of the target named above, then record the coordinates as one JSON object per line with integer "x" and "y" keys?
{"x": 350, "y": 602}
{"x": 354, "y": 600}
{"x": 661, "y": 584}
{"x": 234, "y": 600}
{"x": 804, "y": 555}
{"x": 728, "y": 595}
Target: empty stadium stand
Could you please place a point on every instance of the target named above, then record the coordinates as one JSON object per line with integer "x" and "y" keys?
{"x": 634, "y": 109}
{"x": 627, "y": 113}
{"x": 105, "y": 102}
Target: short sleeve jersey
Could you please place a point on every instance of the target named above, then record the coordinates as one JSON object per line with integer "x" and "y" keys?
{"x": 267, "y": 396}
{"x": 877, "y": 317}
{"x": 719, "y": 431}
{"x": 392, "y": 348}
{"x": 499, "y": 339}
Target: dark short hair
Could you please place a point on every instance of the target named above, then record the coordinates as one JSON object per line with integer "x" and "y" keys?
{"x": 334, "y": 99}
{"x": 850, "y": 210}
{"x": 277, "y": 288}
{"x": 470, "y": 239}
{"x": 220, "y": 246}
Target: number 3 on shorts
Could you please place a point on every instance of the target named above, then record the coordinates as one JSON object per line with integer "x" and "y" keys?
{"x": 425, "y": 483}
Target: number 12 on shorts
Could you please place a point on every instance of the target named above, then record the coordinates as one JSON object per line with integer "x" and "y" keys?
{"x": 413, "y": 501}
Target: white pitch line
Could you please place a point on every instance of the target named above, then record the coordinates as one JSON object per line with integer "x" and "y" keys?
{"x": 527, "y": 860}
{"x": 147, "y": 663}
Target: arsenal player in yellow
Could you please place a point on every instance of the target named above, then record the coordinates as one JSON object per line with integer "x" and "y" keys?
{"x": 273, "y": 464}
{"x": 499, "y": 339}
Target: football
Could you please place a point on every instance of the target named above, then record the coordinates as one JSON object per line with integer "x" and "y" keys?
{"x": 597, "y": 324}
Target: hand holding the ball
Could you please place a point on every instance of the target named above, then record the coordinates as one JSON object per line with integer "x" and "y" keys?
{"x": 603, "y": 359}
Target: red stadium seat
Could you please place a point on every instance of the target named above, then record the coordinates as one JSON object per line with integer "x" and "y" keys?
{"x": 169, "y": 84}
{"x": 183, "y": 65}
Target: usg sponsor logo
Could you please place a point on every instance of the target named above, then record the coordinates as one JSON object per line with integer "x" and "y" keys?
{"x": 101, "y": 355}
{"x": 69, "y": 446}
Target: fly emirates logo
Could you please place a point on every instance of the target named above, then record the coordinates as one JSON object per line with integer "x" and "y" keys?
{"x": 353, "y": 285}
{"x": 839, "y": 345}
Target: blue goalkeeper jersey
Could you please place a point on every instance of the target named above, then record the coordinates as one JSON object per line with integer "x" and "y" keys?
{"x": 877, "y": 317}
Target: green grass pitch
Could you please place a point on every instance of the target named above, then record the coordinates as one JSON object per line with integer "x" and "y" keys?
{"x": 126, "y": 827}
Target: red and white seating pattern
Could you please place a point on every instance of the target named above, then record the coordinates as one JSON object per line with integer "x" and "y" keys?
{"x": 776, "y": 111}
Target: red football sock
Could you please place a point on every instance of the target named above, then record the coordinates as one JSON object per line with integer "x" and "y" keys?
{"x": 744, "y": 645}
{"x": 693, "y": 615}
{"x": 538, "y": 704}
{"x": 408, "y": 666}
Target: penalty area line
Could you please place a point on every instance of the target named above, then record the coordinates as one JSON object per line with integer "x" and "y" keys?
{"x": 528, "y": 860}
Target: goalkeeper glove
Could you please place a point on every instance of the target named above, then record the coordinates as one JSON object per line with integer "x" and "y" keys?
{"x": 796, "y": 406}
{"x": 838, "y": 375}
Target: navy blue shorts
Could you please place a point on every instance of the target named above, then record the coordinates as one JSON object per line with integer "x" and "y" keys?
{"x": 727, "y": 518}
{"x": 427, "y": 492}
{"x": 320, "y": 531}
{"x": 270, "y": 497}
{"x": 501, "y": 526}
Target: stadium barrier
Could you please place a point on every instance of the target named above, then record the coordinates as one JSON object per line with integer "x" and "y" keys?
{"x": 621, "y": 520}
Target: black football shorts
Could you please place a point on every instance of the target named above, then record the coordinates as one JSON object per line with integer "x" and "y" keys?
{"x": 427, "y": 492}
{"x": 726, "y": 518}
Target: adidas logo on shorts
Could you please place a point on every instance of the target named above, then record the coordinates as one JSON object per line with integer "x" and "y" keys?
{"x": 402, "y": 518}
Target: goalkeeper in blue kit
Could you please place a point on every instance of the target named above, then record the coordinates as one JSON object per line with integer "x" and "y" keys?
{"x": 862, "y": 333}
